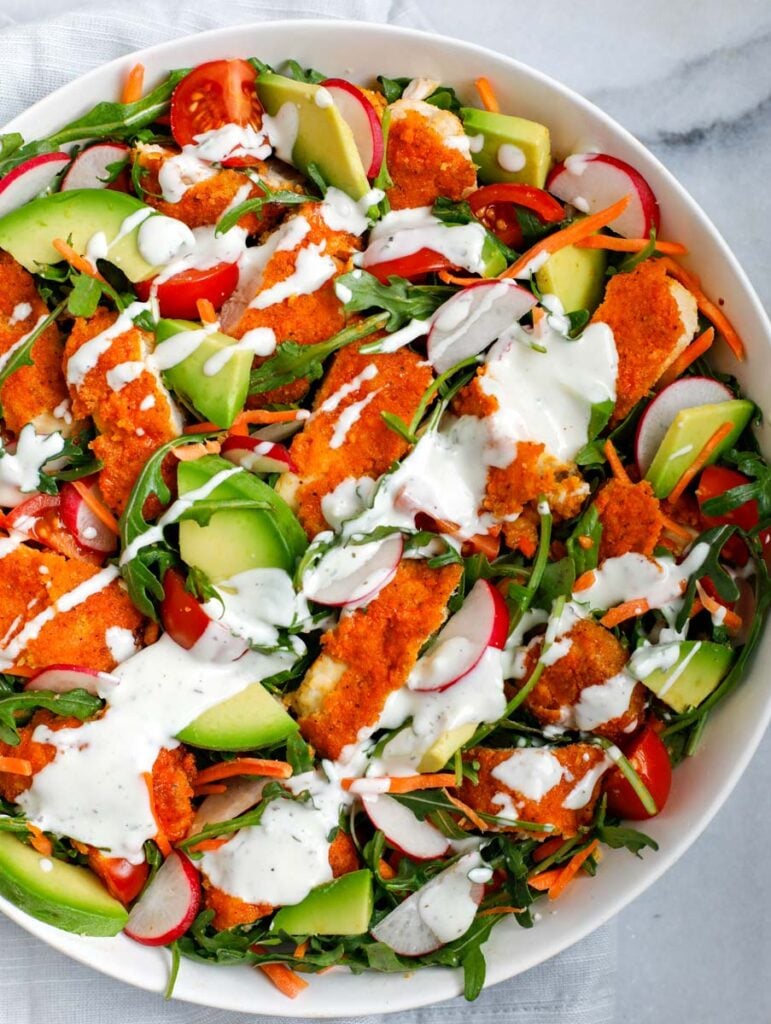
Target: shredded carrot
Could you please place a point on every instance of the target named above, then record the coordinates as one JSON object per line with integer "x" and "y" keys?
{"x": 206, "y": 311}
{"x": 545, "y": 880}
{"x": 287, "y": 981}
{"x": 100, "y": 510}
{"x": 585, "y": 542}
{"x": 21, "y": 670}
{"x": 731, "y": 620}
{"x": 213, "y": 789}
{"x": 300, "y": 950}
{"x": 677, "y": 528}
{"x": 251, "y": 416}
{"x": 706, "y": 306}
{"x": 547, "y": 848}
{"x": 210, "y": 845}
{"x": 161, "y": 840}
{"x": 630, "y": 245}
{"x": 191, "y": 452}
{"x": 75, "y": 260}
{"x": 449, "y": 278}
{"x": 573, "y": 233}
{"x": 134, "y": 84}
{"x": 571, "y": 869}
{"x": 39, "y": 842}
{"x": 487, "y": 95}
{"x": 696, "y": 607}
{"x": 499, "y": 910}
{"x": 538, "y": 314}
{"x": 15, "y": 766}
{"x": 468, "y": 812}
{"x": 385, "y": 869}
{"x": 700, "y": 461}
{"x": 585, "y": 580}
{"x": 408, "y": 783}
{"x": 615, "y": 462}
{"x": 244, "y": 766}
{"x": 691, "y": 354}
{"x": 624, "y": 611}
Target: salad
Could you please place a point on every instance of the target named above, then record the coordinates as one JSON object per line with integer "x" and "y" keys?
{"x": 374, "y": 535}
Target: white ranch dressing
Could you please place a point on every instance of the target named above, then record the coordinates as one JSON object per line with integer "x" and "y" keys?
{"x": 260, "y": 341}
{"x": 313, "y": 268}
{"x": 253, "y": 603}
{"x": 178, "y": 347}
{"x": 160, "y": 239}
{"x": 531, "y": 772}
{"x": 282, "y": 130}
{"x": 331, "y": 403}
{"x": 510, "y": 158}
{"x": 5, "y": 358}
{"x": 659, "y": 581}
{"x": 404, "y": 232}
{"x": 342, "y": 213}
{"x": 20, "y": 470}
{"x": 120, "y": 643}
{"x": 348, "y": 417}
{"x": 350, "y": 498}
{"x": 581, "y": 793}
{"x": 82, "y": 362}
{"x": 124, "y": 373}
{"x": 600, "y": 703}
{"x": 20, "y": 312}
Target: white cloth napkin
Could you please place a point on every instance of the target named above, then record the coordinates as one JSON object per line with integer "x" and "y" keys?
{"x": 37, "y": 983}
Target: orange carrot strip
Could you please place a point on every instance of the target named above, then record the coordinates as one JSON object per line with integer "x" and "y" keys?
{"x": 499, "y": 910}
{"x": 569, "y": 236}
{"x": 39, "y": 842}
{"x": 251, "y": 416}
{"x": 731, "y": 620}
{"x": 449, "y": 278}
{"x": 301, "y": 949}
{"x": 538, "y": 314}
{"x": 21, "y": 670}
{"x": 706, "y": 306}
{"x": 630, "y": 245}
{"x": 287, "y": 981}
{"x": 244, "y": 766}
{"x": 469, "y": 813}
{"x": 615, "y": 462}
{"x": 132, "y": 87}
{"x": 585, "y": 580}
{"x": 190, "y": 452}
{"x": 100, "y": 510}
{"x": 385, "y": 869}
{"x": 700, "y": 461}
{"x": 410, "y": 783}
{"x": 16, "y": 766}
{"x": 676, "y": 528}
{"x": 487, "y": 95}
{"x": 75, "y": 260}
{"x": 624, "y": 611}
{"x": 547, "y": 848}
{"x": 213, "y": 789}
{"x": 545, "y": 880}
{"x": 209, "y": 845}
{"x": 161, "y": 840}
{"x": 571, "y": 869}
{"x": 680, "y": 365}
{"x": 206, "y": 311}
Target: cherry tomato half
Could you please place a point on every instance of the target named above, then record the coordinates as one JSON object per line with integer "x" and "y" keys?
{"x": 715, "y": 481}
{"x": 182, "y": 616}
{"x": 415, "y": 265}
{"x": 496, "y": 207}
{"x": 178, "y": 297}
{"x": 214, "y": 94}
{"x": 650, "y": 759}
{"x": 123, "y": 880}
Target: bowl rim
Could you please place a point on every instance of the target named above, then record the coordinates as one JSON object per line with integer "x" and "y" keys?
{"x": 436, "y": 987}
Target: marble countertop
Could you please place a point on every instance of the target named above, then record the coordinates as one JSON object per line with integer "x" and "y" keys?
{"x": 691, "y": 81}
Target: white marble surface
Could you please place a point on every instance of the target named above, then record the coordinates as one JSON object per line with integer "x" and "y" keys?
{"x": 691, "y": 81}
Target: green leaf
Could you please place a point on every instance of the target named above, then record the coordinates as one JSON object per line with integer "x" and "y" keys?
{"x": 443, "y": 96}
{"x": 635, "y": 259}
{"x": 401, "y": 300}
{"x": 299, "y": 754}
{"x": 76, "y": 703}
{"x": 84, "y": 297}
{"x": 599, "y": 416}
{"x": 557, "y": 581}
{"x": 585, "y": 558}
{"x": 620, "y": 837}
{"x": 383, "y": 180}
{"x": 579, "y": 318}
{"x": 452, "y": 212}
{"x": 292, "y": 361}
{"x": 473, "y": 973}
{"x": 256, "y": 204}
{"x": 272, "y": 791}
{"x": 292, "y": 69}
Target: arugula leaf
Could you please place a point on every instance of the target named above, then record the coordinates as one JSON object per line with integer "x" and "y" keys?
{"x": 450, "y": 211}
{"x": 579, "y": 318}
{"x": 753, "y": 465}
{"x": 292, "y": 361}
{"x": 256, "y": 204}
{"x": 522, "y": 597}
{"x": 14, "y": 359}
{"x": 292, "y": 69}
{"x": 272, "y": 791}
{"x": 84, "y": 297}
{"x": 401, "y": 300}
{"x": 620, "y": 837}
{"x": 436, "y": 806}
{"x": 473, "y": 964}
{"x": 313, "y": 171}
{"x": 299, "y": 754}
{"x": 588, "y": 526}
{"x": 726, "y": 586}
{"x": 557, "y": 581}
{"x": 383, "y": 180}
{"x": 629, "y": 263}
{"x": 75, "y": 703}
{"x": 533, "y": 228}
{"x": 443, "y": 96}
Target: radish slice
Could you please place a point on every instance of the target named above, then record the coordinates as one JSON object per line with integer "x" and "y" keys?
{"x": 257, "y": 456}
{"x": 241, "y": 795}
{"x": 353, "y": 573}
{"x": 473, "y": 318}
{"x": 90, "y": 168}
{"x": 361, "y": 118}
{"x": 168, "y": 905}
{"x": 29, "y": 180}
{"x": 440, "y": 912}
{"x": 63, "y": 678}
{"x": 685, "y": 393}
{"x": 593, "y": 181}
{"x": 87, "y": 529}
{"x": 482, "y": 622}
{"x": 403, "y": 830}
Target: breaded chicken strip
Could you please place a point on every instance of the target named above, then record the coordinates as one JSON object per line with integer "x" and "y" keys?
{"x": 428, "y": 155}
{"x": 32, "y": 393}
{"x": 369, "y": 654}
{"x": 631, "y": 518}
{"x": 575, "y": 762}
{"x": 131, "y": 408}
{"x": 653, "y": 318}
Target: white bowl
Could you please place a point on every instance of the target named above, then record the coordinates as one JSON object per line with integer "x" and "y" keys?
{"x": 359, "y": 52}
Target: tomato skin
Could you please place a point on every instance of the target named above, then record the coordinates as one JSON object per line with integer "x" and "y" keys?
{"x": 216, "y": 93}
{"x": 48, "y": 528}
{"x": 714, "y": 481}
{"x": 650, "y": 759}
{"x": 182, "y": 616}
{"x": 178, "y": 297}
{"x": 496, "y": 207}
{"x": 415, "y": 265}
{"x": 124, "y": 881}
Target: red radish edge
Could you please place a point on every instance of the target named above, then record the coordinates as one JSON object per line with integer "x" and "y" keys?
{"x": 87, "y": 529}
{"x": 362, "y": 119}
{"x": 168, "y": 906}
{"x": 415, "y": 838}
{"x": 389, "y": 551}
{"x": 89, "y": 168}
{"x": 257, "y": 455}
{"x": 64, "y": 678}
{"x": 29, "y": 179}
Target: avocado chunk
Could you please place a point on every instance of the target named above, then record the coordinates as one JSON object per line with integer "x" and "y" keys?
{"x": 63, "y": 895}
{"x": 494, "y": 262}
{"x": 236, "y": 540}
{"x": 340, "y": 907}
{"x": 440, "y": 752}
{"x": 529, "y": 144}
{"x": 312, "y": 132}
{"x": 251, "y": 719}
{"x": 76, "y": 216}
{"x": 688, "y": 433}
{"x": 699, "y": 668}
{"x": 576, "y": 276}
{"x": 219, "y": 396}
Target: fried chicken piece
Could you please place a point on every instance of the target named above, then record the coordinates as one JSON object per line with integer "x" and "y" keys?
{"x": 631, "y": 518}
{"x": 174, "y": 774}
{"x": 38, "y": 754}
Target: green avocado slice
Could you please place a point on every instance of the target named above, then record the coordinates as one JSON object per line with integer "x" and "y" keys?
{"x": 576, "y": 276}
{"x": 251, "y": 719}
{"x": 699, "y": 668}
{"x": 496, "y": 130}
{"x": 64, "y": 895}
{"x": 340, "y": 907}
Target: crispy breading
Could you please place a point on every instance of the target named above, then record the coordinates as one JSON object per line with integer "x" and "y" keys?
{"x": 343, "y": 855}
{"x": 369, "y": 447}
{"x": 31, "y": 394}
{"x": 30, "y": 579}
{"x": 652, "y": 318}
{"x": 174, "y": 774}
{"x": 631, "y": 518}
{"x": 427, "y": 156}
{"x": 130, "y": 429}
{"x": 595, "y": 655}
{"x": 577, "y": 759}
{"x": 38, "y": 754}
{"x": 370, "y": 653}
